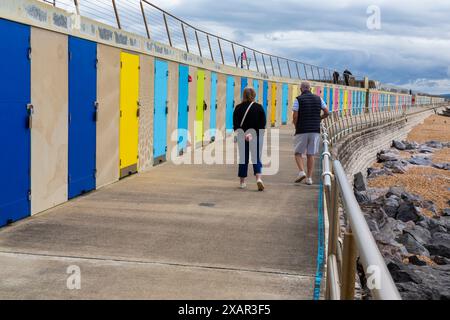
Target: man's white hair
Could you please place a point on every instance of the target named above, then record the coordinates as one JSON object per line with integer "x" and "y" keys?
{"x": 305, "y": 86}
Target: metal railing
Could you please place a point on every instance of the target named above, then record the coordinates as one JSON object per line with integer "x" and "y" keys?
{"x": 341, "y": 123}
{"x": 146, "y": 19}
{"x": 344, "y": 248}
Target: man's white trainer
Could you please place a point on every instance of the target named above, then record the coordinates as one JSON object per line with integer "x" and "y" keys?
{"x": 301, "y": 177}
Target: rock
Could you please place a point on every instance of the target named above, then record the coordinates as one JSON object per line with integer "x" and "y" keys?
{"x": 396, "y": 166}
{"x": 425, "y": 149}
{"x": 446, "y": 212}
{"x": 373, "y": 225}
{"x": 416, "y": 261}
{"x": 438, "y": 225}
{"x": 361, "y": 197}
{"x": 391, "y": 206}
{"x": 414, "y": 291}
{"x": 441, "y": 260}
{"x": 411, "y": 145}
{"x": 429, "y": 205}
{"x": 395, "y": 191}
{"x": 420, "y": 234}
{"x": 408, "y": 212}
{"x": 441, "y": 166}
{"x": 420, "y": 161}
{"x": 412, "y": 245}
{"x": 434, "y": 144}
{"x": 393, "y": 227}
{"x": 373, "y": 173}
{"x": 398, "y": 145}
{"x": 388, "y": 156}
{"x": 359, "y": 182}
{"x": 378, "y": 215}
{"x": 402, "y": 273}
{"x": 440, "y": 245}
{"x": 412, "y": 198}
{"x": 376, "y": 193}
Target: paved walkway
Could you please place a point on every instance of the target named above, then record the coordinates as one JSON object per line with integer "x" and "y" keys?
{"x": 176, "y": 232}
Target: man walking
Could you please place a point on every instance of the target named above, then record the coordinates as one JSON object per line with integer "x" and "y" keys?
{"x": 307, "y": 118}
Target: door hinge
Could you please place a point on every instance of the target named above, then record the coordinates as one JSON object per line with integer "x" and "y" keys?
{"x": 95, "y": 173}
{"x": 69, "y": 178}
{"x": 96, "y": 63}
{"x": 188, "y": 108}
{"x": 121, "y": 113}
{"x": 121, "y": 64}
{"x": 29, "y": 53}
{"x": 70, "y": 55}
{"x": 120, "y": 162}
{"x": 29, "y": 195}
{"x": 70, "y": 118}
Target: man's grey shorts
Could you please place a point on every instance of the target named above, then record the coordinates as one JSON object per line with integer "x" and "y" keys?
{"x": 307, "y": 143}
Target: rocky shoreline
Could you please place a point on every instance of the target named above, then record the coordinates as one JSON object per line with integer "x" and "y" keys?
{"x": 412, "y": 231}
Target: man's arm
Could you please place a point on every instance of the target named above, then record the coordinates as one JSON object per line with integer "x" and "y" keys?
{"x": 325, "y": 113}
{"x": 325, "y": 110}
{"x": 295, "y": 109}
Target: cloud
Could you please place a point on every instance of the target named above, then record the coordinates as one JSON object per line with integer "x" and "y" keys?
{"x": 413, "y": 42}
{"x": 432, "y": 86}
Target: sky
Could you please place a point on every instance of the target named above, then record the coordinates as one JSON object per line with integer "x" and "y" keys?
{"x": 400, "y": 42}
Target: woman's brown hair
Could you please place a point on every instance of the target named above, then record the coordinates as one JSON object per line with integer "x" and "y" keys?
{"x": 249, "y": 95}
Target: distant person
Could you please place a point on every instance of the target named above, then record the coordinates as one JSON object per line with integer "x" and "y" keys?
{"x": 307, "y": 118}
{"x": 347, "y": 75}
{"x": 336, "y": 77}
{"x": 249, "y": 122}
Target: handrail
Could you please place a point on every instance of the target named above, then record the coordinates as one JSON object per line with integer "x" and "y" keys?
{"x": 368, "y": 250}
{"x": 357, "y": 240}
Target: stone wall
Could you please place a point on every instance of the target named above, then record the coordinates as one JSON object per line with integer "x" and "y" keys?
{"x": 358, "y": 151}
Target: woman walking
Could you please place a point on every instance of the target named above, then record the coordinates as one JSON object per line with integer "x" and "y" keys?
{"x": 249, "y": 122}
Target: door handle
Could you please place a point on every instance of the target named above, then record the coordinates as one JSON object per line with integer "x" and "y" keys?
{"x": 30, "y": 111}
{"x": 95, "y": 111}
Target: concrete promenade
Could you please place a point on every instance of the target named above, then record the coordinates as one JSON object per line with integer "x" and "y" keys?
{"x": 175, "y": 232}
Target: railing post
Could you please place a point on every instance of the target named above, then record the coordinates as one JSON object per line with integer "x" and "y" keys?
{"x": 298, "y": 70}
{"x": 198, "y": 44}
{"x": 271, "y": 63}
{"x": 264, "y": 62}
{"x": 246, "y": 60}
{"x": 144, "y": 18}
{"x": 306, "y": 72}
{"x": 185, "y": 38}
{"x": 349, "y": 267}
{"x": 209, "y": 46}
{"x": 256, "y": 61}
{"x": 279, "y": 67}
{"x": 167, "y": 29}
{"x": 289, "y": 69}
{"x": 77, "y": 7}
{"x": 234, "y": 55}
{"x": 116, "y": 13}
{"x": 221, "y": 51}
